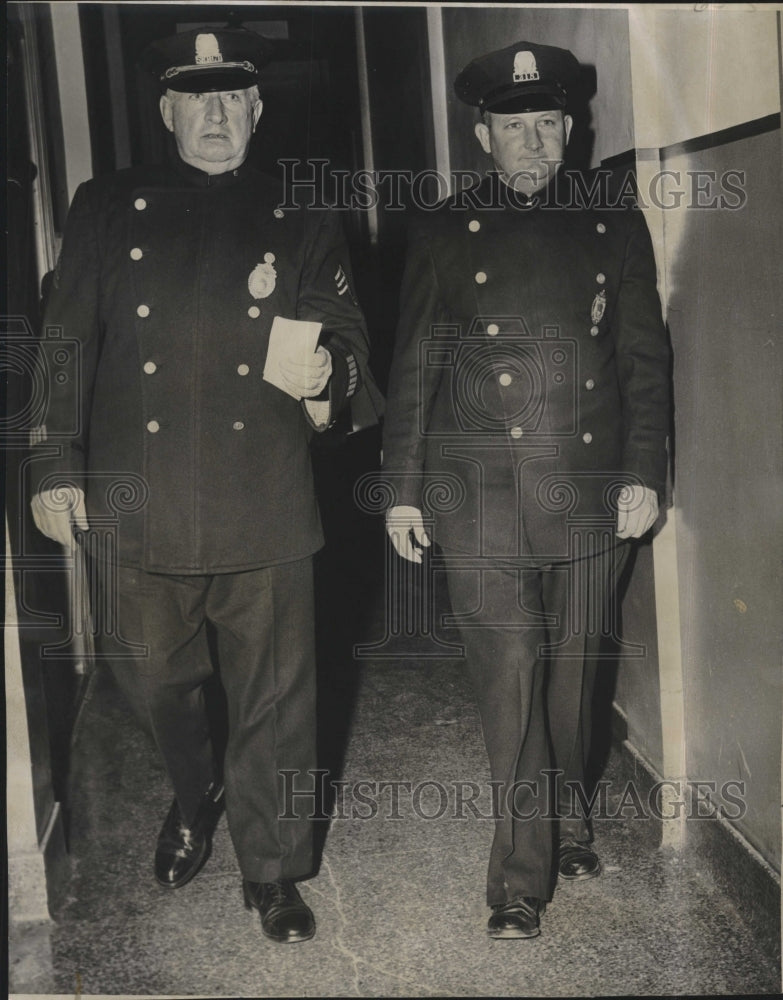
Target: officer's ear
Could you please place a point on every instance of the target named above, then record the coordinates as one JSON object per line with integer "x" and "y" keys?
{"x": 258, "y": 107}
{"x": 568, "y": 121}
{"x": 482, "y": 134}
{"x": 167, "y": 112}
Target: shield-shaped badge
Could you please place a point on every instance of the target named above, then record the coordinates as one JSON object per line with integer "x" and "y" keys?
{"x": 263, "y": 278}
{"x": 598, "y": 307}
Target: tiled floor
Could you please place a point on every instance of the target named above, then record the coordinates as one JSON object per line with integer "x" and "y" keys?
{"x": 398, "y": 898}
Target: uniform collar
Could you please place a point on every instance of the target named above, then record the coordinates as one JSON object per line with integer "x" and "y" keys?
{"x": 493, "y": 193}
{"x": 548, "y": 196}
{"x": 199, "y": 178}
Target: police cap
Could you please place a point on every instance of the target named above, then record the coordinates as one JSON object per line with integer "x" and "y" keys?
{"x": 521, "y": 77}
{"x": 208, "y": 59}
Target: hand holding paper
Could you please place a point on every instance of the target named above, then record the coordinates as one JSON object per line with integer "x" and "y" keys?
{"x": 307, "y": 378}
{"x": 294, "y": 362}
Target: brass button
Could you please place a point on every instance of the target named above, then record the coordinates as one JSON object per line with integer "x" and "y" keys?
{"x": 153, "y": 426}
{"x": 238, "y": 425}
{"x": 587, "y": 438}
{"x": 516, "y": 432}
{"x": 474, "y": 225}
{"x": 481, "y": 277}
{"x": 150, "y": 367}
{"x": 140, "y": 204}
{"x": 505, "y": 379}
{"x": 278, "y": 213}
{"x": 243, "y": 369}
{"x": 143, "y": 311}
{"x": 600, "y": 278}
{"x": 600, "y": 228}
{"x": 493, "y": 329}
{"x": 593, "y": 331}
{"x": 254, "y": 312}
{"x": 136, "y": 253}
{"x": 590, "y": 384}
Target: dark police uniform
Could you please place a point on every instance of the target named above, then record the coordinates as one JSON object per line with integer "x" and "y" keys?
{"x": 160, "y": 314}
{"x": 529, "y": 383}
{"x": 531, "y": 332}
{"x": 169, "y": 281}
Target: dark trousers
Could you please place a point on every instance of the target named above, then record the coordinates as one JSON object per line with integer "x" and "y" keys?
{"x": 263, "y": 621}
{"x": 532, "y": 639}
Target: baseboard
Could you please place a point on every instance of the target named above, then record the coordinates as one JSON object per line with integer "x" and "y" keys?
{"x": 739, "y": 871}
{"x": 736, "y": 867}
{"x": 38, "y": 879}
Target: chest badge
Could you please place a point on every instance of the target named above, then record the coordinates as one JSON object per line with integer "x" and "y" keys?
{"x": 598, "y": 307}
{"x": 263, "y": 278}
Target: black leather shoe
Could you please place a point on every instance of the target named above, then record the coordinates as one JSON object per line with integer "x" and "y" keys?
{"x": 577, "y": 860}
{"x": 182, "y": 849}
{"x": 285, "y": 917}
{"x": 517, "y": 919}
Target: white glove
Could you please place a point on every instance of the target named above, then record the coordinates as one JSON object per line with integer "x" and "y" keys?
{"x": 637, "y": 509}
{"x": 306, "y": 379}
{"x": 405, "y": 527}
{"x": 57, "y": 511}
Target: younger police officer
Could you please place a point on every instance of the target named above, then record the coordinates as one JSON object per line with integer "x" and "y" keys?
{"x": 530, "y": 383}
{"x": 169, "y": 281}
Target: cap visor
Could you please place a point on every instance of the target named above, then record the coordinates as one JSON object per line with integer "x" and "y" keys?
{"x": 211, "y": 80}
{"x": 529, "y": 99}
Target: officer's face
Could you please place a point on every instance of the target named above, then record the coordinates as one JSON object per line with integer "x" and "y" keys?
{"x": 527, "y": 148}
{"x": 212, "y": 131}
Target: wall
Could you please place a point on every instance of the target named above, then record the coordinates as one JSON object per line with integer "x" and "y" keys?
{"x": 699, "y": 71}
{"x": 725, "y": 323}
{"x": 73, "y": 98}
{"x": 724, "y": 306}
{"x": 706, "y": 93}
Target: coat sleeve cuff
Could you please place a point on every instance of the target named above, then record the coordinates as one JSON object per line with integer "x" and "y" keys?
{"x": 343, "y": 384}
{"x": 651, "y": 466}
{"x": 346, "y": 378}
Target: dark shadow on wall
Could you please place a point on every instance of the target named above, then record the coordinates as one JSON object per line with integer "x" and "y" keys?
{"x": 579, "y": 151}
{"x": 604, "y": 728}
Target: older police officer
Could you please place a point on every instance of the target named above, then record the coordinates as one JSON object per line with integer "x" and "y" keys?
{"x": 168, "y": 284}
{"x": 530, "y": 385}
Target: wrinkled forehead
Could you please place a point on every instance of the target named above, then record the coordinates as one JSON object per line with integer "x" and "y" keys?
{"x": 249, "y": 94}
{"x": 530, "y": 117}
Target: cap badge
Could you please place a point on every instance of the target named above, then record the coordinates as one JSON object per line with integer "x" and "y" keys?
{"x": 525, "y": 68}
{"x": 207, "y": 50}
{"x": 263, "y": 278}
{"x": 598, "y": 307}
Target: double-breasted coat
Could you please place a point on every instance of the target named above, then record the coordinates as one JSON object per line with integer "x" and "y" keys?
{"x": 156, "y": 334}
{"x": 531, "y": 371}
{"x": 529, "y": 383}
